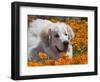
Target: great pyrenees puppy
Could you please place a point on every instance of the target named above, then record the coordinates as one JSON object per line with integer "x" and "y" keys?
{"x": 50, "y": 38}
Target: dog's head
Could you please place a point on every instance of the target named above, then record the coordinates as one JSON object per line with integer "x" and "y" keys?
{"x": 58, "y": 36}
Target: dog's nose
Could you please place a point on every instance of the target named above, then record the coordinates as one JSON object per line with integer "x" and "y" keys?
{"x": 65, "y": 42}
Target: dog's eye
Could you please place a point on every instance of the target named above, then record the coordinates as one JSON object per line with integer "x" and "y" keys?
{"x": 66, "y": 34}
{"x": 57, "y": 36}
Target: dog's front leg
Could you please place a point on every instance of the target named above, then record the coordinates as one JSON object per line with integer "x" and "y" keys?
{"x": 70, "y": 51}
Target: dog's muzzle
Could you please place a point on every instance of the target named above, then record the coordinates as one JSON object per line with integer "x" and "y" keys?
{"x": 65, "y": 43}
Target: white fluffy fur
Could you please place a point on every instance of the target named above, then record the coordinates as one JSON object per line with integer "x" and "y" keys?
{"x": 38, "y": 34}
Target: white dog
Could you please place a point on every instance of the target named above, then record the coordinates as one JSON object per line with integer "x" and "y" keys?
{"x": 48, "y": 37}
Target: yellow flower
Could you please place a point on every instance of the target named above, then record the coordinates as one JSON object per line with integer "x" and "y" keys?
{"x": 34, "y": 63}
{"x": 42, "y": 55}
{"x": 49, "y": 62}
{"x": 60, "y": 61}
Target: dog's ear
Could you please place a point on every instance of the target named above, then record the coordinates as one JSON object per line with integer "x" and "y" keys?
{"x": 50, "y": 36}
{"x": 70, "y": 32}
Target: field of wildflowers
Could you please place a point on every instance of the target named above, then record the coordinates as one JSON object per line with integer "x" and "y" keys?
{"x": 80, "y": 42}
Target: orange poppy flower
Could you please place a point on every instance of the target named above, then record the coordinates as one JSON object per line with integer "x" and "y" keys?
{"x": 42, "y": 55}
